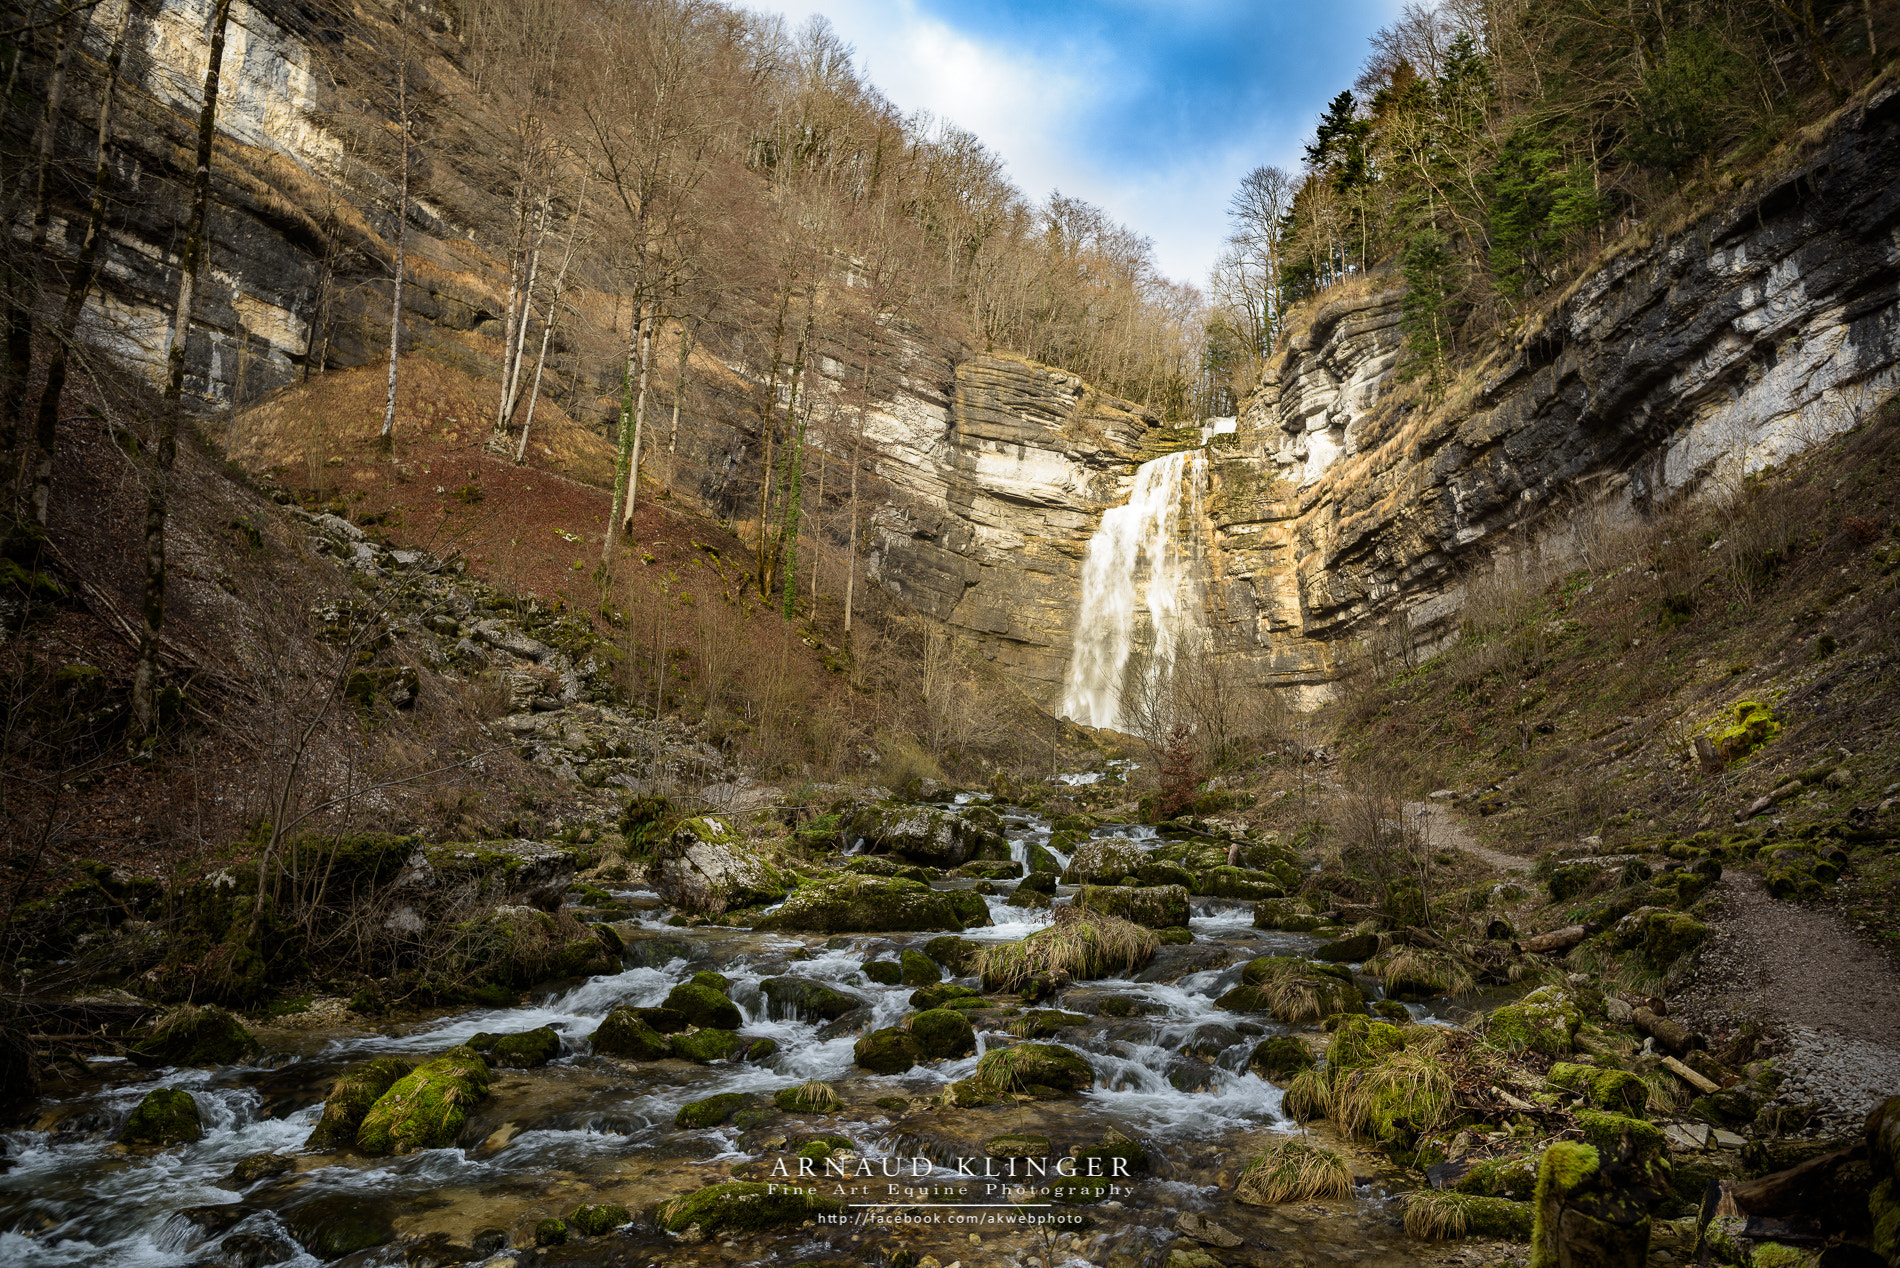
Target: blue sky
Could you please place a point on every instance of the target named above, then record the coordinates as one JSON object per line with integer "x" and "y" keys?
{"x": 1150, "y": 109}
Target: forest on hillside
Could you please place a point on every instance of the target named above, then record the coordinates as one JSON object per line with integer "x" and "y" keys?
{"x": 1488, "y": 148}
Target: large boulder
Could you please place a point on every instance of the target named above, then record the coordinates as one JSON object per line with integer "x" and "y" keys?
{"x": 1103, "y": 861}
{"x": 1157, "y": 907}
{"x": 510, "y": 873}
{"x": 806, "y": 999}
{"x": 167, "y": 1116}
{"x": 189, "y": 1035}
{"x": 703, "y": 1004}
{"x": 943, "y": 1032}
{"x": 706, "y": 869}
{"x": 875, "y": 904}
{"x": 940, "y": 838}
{"x": 1040, "y": 1070}
{"x": 889, "y": 1051}
{"x": 1293, "y": 990}
{"x": 625, "y": 1033}
{"x": 427, "y": 1108}
{"x": 742, "y": 1207}
{"x": 520, "y": 945}
{"x": 351, "y": 1096}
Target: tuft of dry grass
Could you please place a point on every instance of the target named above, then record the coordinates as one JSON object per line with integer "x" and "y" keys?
{"x": 1294, "y": 1171}
{"x": 815, "y": 1096}
{"x": 1080, "y": 944}
{"x": 1408, "y": 970}
{"x": 1308, "y": 1096}
{"x": 1432, "y": 1216}
{"x": 1399, "y": 1097}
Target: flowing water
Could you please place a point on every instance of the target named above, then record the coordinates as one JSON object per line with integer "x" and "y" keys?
{"x": 1171, "y": 1070}
{"x": 1138, "y": 592}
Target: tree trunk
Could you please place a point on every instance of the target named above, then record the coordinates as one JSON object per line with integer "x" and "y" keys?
{"x": 851, "y": 555}
{"x": 46, "y": 429}
{"x": 20, "y": 307}
{"x": 688, "y": 334}
{"x": 639, "y": 421}
{"x": 624, "y": 446}
{"x": 165, "y": 453}
{"x": 547, "y": 330}
{"x": 402, "y": 223}
{"x": 511, "y": 378}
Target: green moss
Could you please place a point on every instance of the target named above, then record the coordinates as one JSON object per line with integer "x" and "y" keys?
{"x": 1501, "y": 1178}
{"x": 1617, "y": 1133}
{"x": 1544, "y": 1021}
{"x": 1358, "y": 1040}
{"x": 523, "y": 1050}
{"x": 711, "y": 1043}
{"x": 166, "y": 1116}
{"x": 702, "y": 1005}
{"x": 919, "y": 969}
{"x": 426, "y": 1108}
{"x": 1565, "y": 1167}
{"x": 884, "y": 972}
{"x": 598, "y": 1220}
{"x": 712, "y": 1111}
{"x": 1292, "y": 990}
{"x": 200, "y": 1036}
{"x": 550, "y": 1232}
{"x": 1754, "y": 724}
{"x": 1605, "y": 1089}
{"x": 742, "y": 1207}
{"x": 889, "y": 1051}
{"x": 943, "y": 1033}
{"x": 351, "y": 1096}
{"x": 624, "y": 1033}
{"x": 1041, "y": 1070}
{"x": 1157, "y": 907}
{"x": 1435, "y": 1215}
{"x": 943, "y": 995}
{"x": 1281, "y": 1057}
{"x": 1775, "y": 1255}
{"x": 810, "y": 1097}
{"x": 1040, "y": 1023}
{"x": 872, "y": 904}
{"x": 956, "y": 954}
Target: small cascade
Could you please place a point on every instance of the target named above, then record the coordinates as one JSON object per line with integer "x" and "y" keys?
{"x": 1136, "y": 564}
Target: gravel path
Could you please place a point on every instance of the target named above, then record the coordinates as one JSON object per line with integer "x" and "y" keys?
{"x": 1832, "y": 1001}
{"x": 1444, "y": 828}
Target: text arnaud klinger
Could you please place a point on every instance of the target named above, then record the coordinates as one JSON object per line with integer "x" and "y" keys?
{"x": 985, "y": 1168}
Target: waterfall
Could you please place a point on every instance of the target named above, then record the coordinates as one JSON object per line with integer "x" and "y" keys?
{"x": 1135, "y": 563}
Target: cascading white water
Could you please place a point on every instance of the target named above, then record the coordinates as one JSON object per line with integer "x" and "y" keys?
{"x": 1135, "y": 563}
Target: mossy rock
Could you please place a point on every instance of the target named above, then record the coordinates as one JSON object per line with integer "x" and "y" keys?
{"x": 889, "y": 1051}
{"x": 1041, "y": 1070}
{"x": 875, "y": 904}
{"x": 166, "y": 1116}
{"x": 919, "y": 969}
{"x": 702, "y": 1005}
{"x": 1514, "y": 1178}
{"x": 1471, "y": 1215}
{"x": 1752, "y": 725}
{"x": 1544, "y": 1021}
{"x": 1102, "y": 861}
{"x": 1281, "y": 1057}
{"x": 1018, "y": 1145}
{"x": 813, "y": 1097}
{"x": 955, "y": 954}
{"x": 550, "y": 1232}
{"x": 711, "y": 1111}
{"x": 1292, "y": 990}
{"x": 1155, "y": 907}
{"x": 1615, "y": 1090}
{"x": 1622, "y": 1135}
{"x": 1359, "y": 1041}
{"x": 1669, "y": 935}
{"x": 201, "y": 1035}
{"x": 427, "y": 1108}
{"x": 624, "y": 1033}
{"x": 1284, "y": 913}
{"x": 358, "y": 1088}
{"x": 598, "y": 1220}
{"x": 522, "y": 1050}
{"x": 806, "y": 999}
{"x": 712, "y": 1043}
{"x": 1239, "y": 882}
{"x": 943, "y": 1033}
{"x": 261, "y": 1166}
{"x": 1040, "y": 1023}
{"x": 743, "y": 1207}
{"x": 1353, "y": 950}
{"x": 884, "y": 972}
{"x": 942, "y": 995}
{"x": 712, "y": 981}
{"x": 340, "y": 1224}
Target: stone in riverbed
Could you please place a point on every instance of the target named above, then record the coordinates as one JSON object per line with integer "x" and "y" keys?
{"x": 522, "y": 1050}
{"x": 167, "y": 1116}
{"x": 624, "y": 1033}
{"x": 944, "y": 1033}
{"x": 338, "y": 1224}
{"x": 712, "y": 1043}
{"x": 807, "y": 999}
{"x": 712, "y": 1111}
{"x": 702, "y": 1005}
{"x": 1156, "y": 907}
{"x": 707, "y": 869}
{"x": 200, "y": 1036}
{"x": 425, "y": 1109}
{"x": 875, "y": 904}
{"x": 597, "y": 1220}
{"x": 889, "y": 1051}
{"x": 742, "y": 1207}
{"x": 351, "y": 1096}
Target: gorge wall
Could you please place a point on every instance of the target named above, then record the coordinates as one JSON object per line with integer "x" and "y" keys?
{"x": 1338, "y": 507}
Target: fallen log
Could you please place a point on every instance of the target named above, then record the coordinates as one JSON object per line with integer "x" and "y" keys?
{"x": 1689, "y": 1076}
{"x": 1556, "y": 940}
{"x": 1667, "y": 1034}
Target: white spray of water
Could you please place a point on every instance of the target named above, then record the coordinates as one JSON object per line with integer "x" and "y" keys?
{"x": 1135, "y": 562}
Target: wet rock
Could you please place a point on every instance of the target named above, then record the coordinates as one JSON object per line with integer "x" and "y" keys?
{"x": 336, "y": 1225}
{"x": 1206, "y": 1231}
{"x": 940, "y": 838}
{"x": 943, "y": 995}
{"x": 884, "y": 972}
{"x": 1353, "y": 950}
{"x": 351, "y": 1096}
{"x": 741, "y": 1207}
{"x": 705, "y": 868}
{"x": 1040, "y": 1070}
{"x": 956, "y": 954}
{"x": 1103, "y": 861}
{"x": 702, "y": 1005}
{"x": 919, "y": 970}
{"x": 806, "y": 999}
{"x": 195, "y": 1035}
{"x": 425, "y": 1109}
{"x": 711, "y": 1043}
{"x": 1292, "y": 990}
{"x": 166, "y": 1116}
{"x": 943, "y": 1033}
{"x": 550, "y": 1232}
{"x": 255, "y": 1250}
{"x": 1041, "y": 1023}
{"x": 664, "y": 1020}
{"x": 1156, "y": 907}
{"x": 1239, "y": 882}
{"x": 874, "y": 904}
{"x": 598, "y": 1220}
{"x": 624, "y": 1033}
{"x": 522, "y": 1050}
{"x": 713, "y": 1110}
{"x": 263, "y": 1166}
{"x": 1281, "y": 1057}
{"x": 1191, "y": 1257}
{"x": 1544, "y": 1021}
{"x": 889, "y": 1051}
{"x": 1018, "y": 1146}
{"x": 814, "y": 1096}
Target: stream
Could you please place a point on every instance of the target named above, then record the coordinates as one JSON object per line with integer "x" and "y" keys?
{"x": 1171, "y": 1071}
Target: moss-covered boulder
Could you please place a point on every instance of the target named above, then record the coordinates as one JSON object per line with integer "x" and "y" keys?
{"x": 358, "y": 1088}
{"x": 1157, "y": 907}
{"x": 624, "y": 1033}
{"x": 201, "y": 1035}
{"x": 712, "y": 1043}
{"x": 522, "y": 1050}
{"x": 943, "y": 1032}
{"x": 743, "y": 1207}
{"x": 919, "y": 969}
{"x": 713, "y": 1110}
{"x": 1514, "y": 1178}
{"x": 1544, "y": 1021}
{"x": 517, "y": 946}
{"x": 1293, "y": 990}
{"x": 427, "y": 1108}
{"x": 1359, "y": 1041}
{"x": 166, "y": 1116}
{"x": 889, "y": 1051}
{"x": 1238, "y": 882}
{"x": 813, "y": 1096}
{"x": 943, "y": 995}
{"x": 1041, "y": 1023}
{"x": 703, "y": 1005}
{"x": 1616, "y": 1090}
{"x": 937, "y": 838}
{"x": 958, "y": 955}
{"x": 550, "y": 1232}
{"x": 706, "y": 868}
{"x": 1349, "y": 950}
{"x": 1041, "y": 1070}
{"x": 1103, "y": 861}
{"x": 598, "y": 1219}
{"x": 806, "y": 999}
{"x": 884, "y": 972}
{"x": 1281, "y": 1057}
{"x": 1289, "y": 914}
{"x": 875, "y": 904}
{"x": 1434, "y": 1216}
{"x": 337, "y": 1224}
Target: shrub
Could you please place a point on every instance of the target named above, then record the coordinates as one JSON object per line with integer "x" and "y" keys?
{"x": 1294, "y": 1171}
